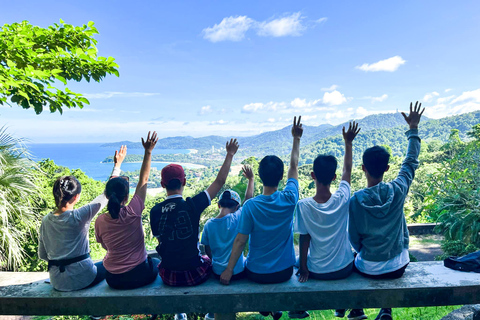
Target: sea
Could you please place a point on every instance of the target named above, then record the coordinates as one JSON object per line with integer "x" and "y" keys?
{"x": 89, "y": 156}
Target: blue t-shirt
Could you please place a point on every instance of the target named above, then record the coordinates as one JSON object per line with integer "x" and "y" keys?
{"x": 269, "y": 222}
{"x": 219, "y": 234}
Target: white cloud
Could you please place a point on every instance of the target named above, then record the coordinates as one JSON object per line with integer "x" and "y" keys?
{"x": 331, "y": 88}
{"x": 445, "y": 99}
{"x": 271, "y": 119}
{"x": 231, "y": 29}
{"x": 281, "y": 27}
{"x": 361, "y": 112}
{"x": 429, "y": 96}
{"x": 112, "y": 94}
{"x": 234, "y": 28}
{"x": 205, "y": 110}
{"x": 332, "y": 115}
{"x": 219, "y": 122}
{"x": 473, "y": 96}
{"x": 390, "y": 65}
{"x": 377, "y": 99}
{"x": 448, "y": 90}
{"x": 309, "y": 117}
{"x": 468, "y": 101}
{"x": 334, "y": 98}
{"x": 303, "y": 103}
{"x": 258, "y": 106}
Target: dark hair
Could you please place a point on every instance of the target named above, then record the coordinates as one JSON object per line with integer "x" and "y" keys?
{"x": 271, "y": 171}
{"x": 64, "y": 189}
{"x": 116, "y": 190}
{"x": 226, "y": 201}
{"x": 173, "y": 184}
{"x": 375, "y": 160}
{"x": 324, "y": 168}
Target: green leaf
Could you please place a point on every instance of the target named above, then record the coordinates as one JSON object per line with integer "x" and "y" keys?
{"x": 90, "y": 24}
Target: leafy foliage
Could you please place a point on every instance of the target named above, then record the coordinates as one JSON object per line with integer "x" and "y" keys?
{"x": 18, "y": 186}
{"x": 34, "y": 59}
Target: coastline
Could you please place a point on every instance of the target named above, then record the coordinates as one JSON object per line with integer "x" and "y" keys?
{"x": 183, "y": 164}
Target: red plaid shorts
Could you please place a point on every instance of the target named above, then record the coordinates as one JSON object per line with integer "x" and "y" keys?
{"x": 188, "y": 277}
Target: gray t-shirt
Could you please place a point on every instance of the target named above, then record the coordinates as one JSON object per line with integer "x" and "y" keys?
{"x": 65, "y": 236}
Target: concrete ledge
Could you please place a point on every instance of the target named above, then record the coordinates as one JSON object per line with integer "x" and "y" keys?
{"x": 424, "y": 284}
{"x": 417, "y": 229}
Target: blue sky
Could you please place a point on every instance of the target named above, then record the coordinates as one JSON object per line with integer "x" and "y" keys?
{"x": 240, "y": 68}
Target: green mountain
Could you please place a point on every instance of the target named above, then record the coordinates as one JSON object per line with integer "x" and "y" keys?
{"x": 392, "y": 136}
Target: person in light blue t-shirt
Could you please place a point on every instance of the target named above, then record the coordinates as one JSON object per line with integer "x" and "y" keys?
{"x": 220, "y": 232}
{"x": 268, "y": 221}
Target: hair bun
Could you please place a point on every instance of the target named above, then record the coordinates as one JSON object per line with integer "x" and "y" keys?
{"x": 64, "y": 184}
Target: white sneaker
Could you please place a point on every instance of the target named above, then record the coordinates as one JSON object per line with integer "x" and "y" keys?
{"x": 210, "y": 316}
{"x": 180, "y": 316}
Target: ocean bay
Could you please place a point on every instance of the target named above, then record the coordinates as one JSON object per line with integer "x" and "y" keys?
{"x": 89, "y": 156}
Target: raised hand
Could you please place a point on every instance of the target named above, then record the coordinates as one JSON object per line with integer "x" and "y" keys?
{"x": 150, "y": 143}
{"x": 414, "y": 117}
{"x": 232, "y": 146}
{"x": 247, "y": 172}
{"x": 120, "y": 156}
{"x": 297, "y": 129}
{"x": 351, "y": 133}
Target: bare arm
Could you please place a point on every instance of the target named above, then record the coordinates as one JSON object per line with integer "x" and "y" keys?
{"x": 297, "y": 132}
{"x": 42, "y": 253}
{"x": 208, "y": 251}
{"x": 222, "y": 175}
{"x": 237, "y": 251}
{"x": 303, "y": 272}
{"x": 148, "y": 145}
{"x": 348, "y": 137}
{"x": 248, "y": 173}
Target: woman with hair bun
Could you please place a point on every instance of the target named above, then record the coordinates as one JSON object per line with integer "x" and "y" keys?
{"x": 120, "y": 230}
{"x": 63, "y": 236}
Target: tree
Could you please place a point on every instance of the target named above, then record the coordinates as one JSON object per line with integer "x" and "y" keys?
{"x": 34, "y": 59}
{"x": 17, "y": 189}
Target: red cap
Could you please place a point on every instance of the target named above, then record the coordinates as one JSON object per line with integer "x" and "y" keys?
{"x": 172, "y": 171}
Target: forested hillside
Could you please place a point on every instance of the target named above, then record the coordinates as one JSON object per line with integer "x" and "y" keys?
{"x": 435, "y": 132}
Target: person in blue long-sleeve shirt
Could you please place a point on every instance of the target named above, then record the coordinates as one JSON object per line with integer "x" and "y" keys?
{"x": 377, "y": 226}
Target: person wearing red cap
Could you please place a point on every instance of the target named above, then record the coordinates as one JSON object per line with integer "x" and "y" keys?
{"x": 175, "y": 223}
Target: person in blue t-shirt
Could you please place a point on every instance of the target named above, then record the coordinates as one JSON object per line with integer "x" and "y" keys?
{"x": 268, "y": 220}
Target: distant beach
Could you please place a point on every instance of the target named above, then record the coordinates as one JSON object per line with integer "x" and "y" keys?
{"x": 88, "y": 156}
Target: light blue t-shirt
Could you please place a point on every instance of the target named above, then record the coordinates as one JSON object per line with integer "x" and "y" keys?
{"x": 269, "y": 222}
{"x": 219, "y": 235}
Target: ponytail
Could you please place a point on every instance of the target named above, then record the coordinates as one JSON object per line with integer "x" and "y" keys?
{"x": 117, "y": 190}
{"x": 114, "y": 206}
{"x": 64, "y": 189}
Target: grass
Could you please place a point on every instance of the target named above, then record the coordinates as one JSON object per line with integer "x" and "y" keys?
{"x": 427, "y": 313}
{"x": 425, "y": 240}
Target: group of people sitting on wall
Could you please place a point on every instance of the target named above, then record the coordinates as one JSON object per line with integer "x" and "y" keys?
{"x": 371, "y": 221}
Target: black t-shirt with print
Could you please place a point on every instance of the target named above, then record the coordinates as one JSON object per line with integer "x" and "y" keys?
{"x": 175, "y": 223}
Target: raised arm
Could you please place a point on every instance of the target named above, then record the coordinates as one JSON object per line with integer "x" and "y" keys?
{"x": 222, "y": 175}
{"x": 118, "y": 160}
{"x": 248, "y": 173}
{"x": 297, "y": 131}
{"x": 348, "y": 137}
{"x": 237, "y": 251}
{"x": 148, "y": 145}
{"x": 88, "y": 211}
{"x": 410, "y": 164}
